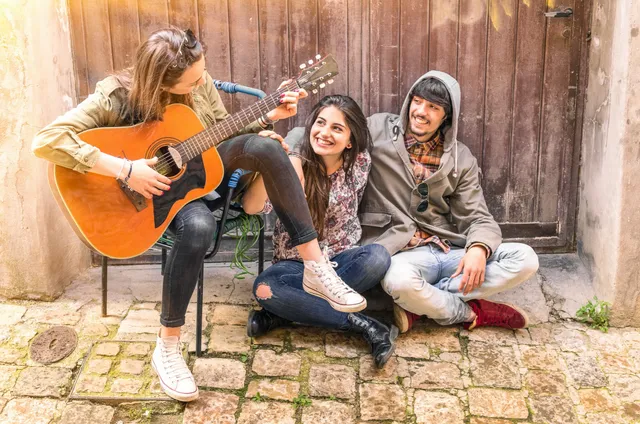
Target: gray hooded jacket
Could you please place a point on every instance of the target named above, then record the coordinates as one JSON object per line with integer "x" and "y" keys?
{"x": 457, "y": 211}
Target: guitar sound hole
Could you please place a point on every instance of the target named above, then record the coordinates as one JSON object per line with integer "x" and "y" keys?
{"x": 166, "y": 165}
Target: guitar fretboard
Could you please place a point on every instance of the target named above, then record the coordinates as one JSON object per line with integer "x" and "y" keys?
{"x": 217, "y": 133}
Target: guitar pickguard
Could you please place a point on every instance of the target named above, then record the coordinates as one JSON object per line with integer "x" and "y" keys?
{"x": 194, "y": 176}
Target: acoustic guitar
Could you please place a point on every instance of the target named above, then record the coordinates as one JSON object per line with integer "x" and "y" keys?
{"x": 120, "y": 223}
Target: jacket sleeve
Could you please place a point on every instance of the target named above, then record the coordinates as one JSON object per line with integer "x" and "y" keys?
{"x": 59, "y": 143}
{"x": 220, "y": 112}
{"x": 470, "y": 213}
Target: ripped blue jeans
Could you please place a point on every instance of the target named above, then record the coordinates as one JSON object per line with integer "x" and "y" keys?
{"x": 360, "y": 267}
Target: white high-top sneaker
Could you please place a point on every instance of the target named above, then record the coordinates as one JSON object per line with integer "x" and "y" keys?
{"x": 320, "y": 279}
{"x": 174, "y": 375}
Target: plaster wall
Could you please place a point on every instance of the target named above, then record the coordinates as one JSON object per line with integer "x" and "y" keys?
{"x": 39, "y": 253}
{"x": 608, "y": 218}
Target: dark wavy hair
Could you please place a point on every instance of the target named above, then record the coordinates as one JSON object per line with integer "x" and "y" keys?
{"x": 317, "y": 183}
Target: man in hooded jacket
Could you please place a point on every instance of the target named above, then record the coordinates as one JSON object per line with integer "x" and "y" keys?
{"x": 424, "y": 203}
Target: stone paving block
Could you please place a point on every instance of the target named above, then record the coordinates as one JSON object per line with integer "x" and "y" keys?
{"x": 212, "y": 407}
{"x": 584, "y": 370}
{"x": 327, "y": 380}
{"x": 11, "y": 314}
{"x": 267, "y": 362}
{"x": 610, "y": 342}
{"x": 5, "y": 333}
{"x": 91, "y": 384}
{"x": 311, "y": 338}
{"x": 52, "y": 314}
{"x": 328, "y": 412}
{"x": 126, "y": 385}
{"x": 523, "y": 337}
{"x": 606, "y": 418}
{"x": 12, "y": 355}
{"x": 345, "y": 345}
{"x": 491, "y": 335}
{"x": 139, "y": 324}
{"x": 570, "y": 340}
{"x": 552, "y": 409}
{"x": 230, "y": 315}
{"x": 541, "y": 334}
{"x": 107, "y": 349}
{"x": 497, "y": 403}
{"x": 597, "y": 400}
{"x": 631, "y": 411}
{"x": 494, "y": 366}
{"x": 220, "y": 373}
{"x": 616, "y": 363}
{"x": 478, "y": 420}
{"x": 394, "y": 368}
{"x": 137, "y": 349}
{"x": 81, "y": 412}
{"x": 631, "y": 337}
{"x": 434, "y": 375}
{"x": 23, "y": 333}
{"x": 382, "y": 402}
{"x": 43, "y": 382}
{"x": 625, "y": 387}
{"x": 540, "y": 382}
{"x": 131, "y": 366}
{"x": 274, "y": 389}
{"x": 30, "y": 411}
{"x": 99, "y": 366}
{"x": 272, "y": 338}
{"x": 413, "y": 344}
{"x": 229, "y": 338}
{"x": 539, "y": 358}
{"x": 8, "y": 377}
{"x": 266, "y": 413}
{"x": 93, "y": 330}
{"x": 437, "y": 407}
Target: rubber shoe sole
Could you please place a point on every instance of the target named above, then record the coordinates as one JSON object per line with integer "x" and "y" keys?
{"x": 400, "y": 319}
{"x": 182, "y": 397}
{"x": 337, "y": 306}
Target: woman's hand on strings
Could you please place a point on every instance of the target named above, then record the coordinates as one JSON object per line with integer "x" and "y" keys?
{"x": 275, "y": 136}
{"x": 289, "y": 100}
{"x": 146, "y": 180}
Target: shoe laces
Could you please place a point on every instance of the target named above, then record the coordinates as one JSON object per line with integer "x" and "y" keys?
{"x": 173, "y": 361}
{"x": 328, "y": 276}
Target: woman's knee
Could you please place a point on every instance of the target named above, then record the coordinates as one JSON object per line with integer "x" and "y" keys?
{"x": 265, "y": 147}
{"x": 379, "y": 259}
{"x": 197, "y": 232}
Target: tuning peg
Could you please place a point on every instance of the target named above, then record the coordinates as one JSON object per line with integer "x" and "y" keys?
{"x": 314, "y": 91}
{"x": 330, "y": 81}
{"x": 310, "y": 62}
{"x": 318, "y": 57}
{"x": 323, "y": 85}
{"x": 303, "y": 66}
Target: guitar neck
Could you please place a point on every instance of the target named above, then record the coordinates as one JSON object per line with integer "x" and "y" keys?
{"x": 217, "y": 133}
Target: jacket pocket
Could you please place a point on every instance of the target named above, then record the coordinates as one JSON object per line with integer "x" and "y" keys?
{"x": 373, "y": 219}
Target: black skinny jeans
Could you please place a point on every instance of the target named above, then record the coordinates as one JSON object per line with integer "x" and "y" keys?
{"x": 194, "y": 225}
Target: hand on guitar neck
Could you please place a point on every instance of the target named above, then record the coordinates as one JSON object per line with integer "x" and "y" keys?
{"x": 144, "y": 179}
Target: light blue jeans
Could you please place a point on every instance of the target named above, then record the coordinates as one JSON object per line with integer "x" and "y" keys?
{"x": 419, "y": 280}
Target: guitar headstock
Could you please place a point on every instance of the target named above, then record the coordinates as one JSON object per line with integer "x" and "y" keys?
{"x": 315, "y": 76}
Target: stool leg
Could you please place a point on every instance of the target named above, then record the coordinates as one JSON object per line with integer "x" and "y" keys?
{"x": 104, "y": 286}
{"x": 199, "y": 312}
{"x": 261, "y": 249}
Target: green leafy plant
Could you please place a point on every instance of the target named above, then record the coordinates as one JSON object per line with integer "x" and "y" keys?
{"x": 257, "y": 397}
{"x": 244, "y": 358}
{"x": 302, "y": 400}
{"x": 596, "y": 313}
{"x": 246, "y": 235}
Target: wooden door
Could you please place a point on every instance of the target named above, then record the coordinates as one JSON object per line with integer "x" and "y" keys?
{"x": 522, "y": 75}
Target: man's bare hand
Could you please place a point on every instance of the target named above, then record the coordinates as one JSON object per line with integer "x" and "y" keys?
{"x": 472, "y": 266}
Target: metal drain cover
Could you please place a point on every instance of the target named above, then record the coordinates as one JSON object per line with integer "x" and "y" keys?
{"x": 53, "y": 345}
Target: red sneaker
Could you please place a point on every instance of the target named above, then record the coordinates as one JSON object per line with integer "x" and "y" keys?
{"x": 404, "y": 319}
{"x": 495, "y": 314}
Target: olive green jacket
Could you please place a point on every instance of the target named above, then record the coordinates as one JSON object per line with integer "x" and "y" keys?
{"x": 59, "y": 143}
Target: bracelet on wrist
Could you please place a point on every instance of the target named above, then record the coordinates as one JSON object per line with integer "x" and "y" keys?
{"x": 124, "y": 162}
{"x": 268, "y": 121}
{"x": 126, "y": 179}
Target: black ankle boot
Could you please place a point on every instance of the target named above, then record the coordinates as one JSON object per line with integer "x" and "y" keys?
{"x": 261, "y": 322}
{"x": 381, "y": 338}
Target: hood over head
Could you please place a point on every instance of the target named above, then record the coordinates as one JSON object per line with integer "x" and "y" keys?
{"x": 450, "y": 132}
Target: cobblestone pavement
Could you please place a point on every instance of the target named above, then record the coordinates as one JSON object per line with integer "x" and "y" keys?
{"x": 554, "y": 372}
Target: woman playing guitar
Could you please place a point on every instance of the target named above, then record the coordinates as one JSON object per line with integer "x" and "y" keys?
{"x": 170, "y": 68}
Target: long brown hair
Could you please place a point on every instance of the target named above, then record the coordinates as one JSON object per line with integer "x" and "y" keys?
{"x": 160, "y": 62}
{"x": 317, "y": 184}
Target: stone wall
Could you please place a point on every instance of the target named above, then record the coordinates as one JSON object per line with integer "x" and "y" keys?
{"x": 39, "y": 253}
{"x": 609, "y": 199}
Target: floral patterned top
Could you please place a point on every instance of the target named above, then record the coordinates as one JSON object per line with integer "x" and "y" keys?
{"x": 342, "y": 229}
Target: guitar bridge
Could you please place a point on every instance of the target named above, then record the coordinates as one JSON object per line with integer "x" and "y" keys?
{"x": 138, "y": 200}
